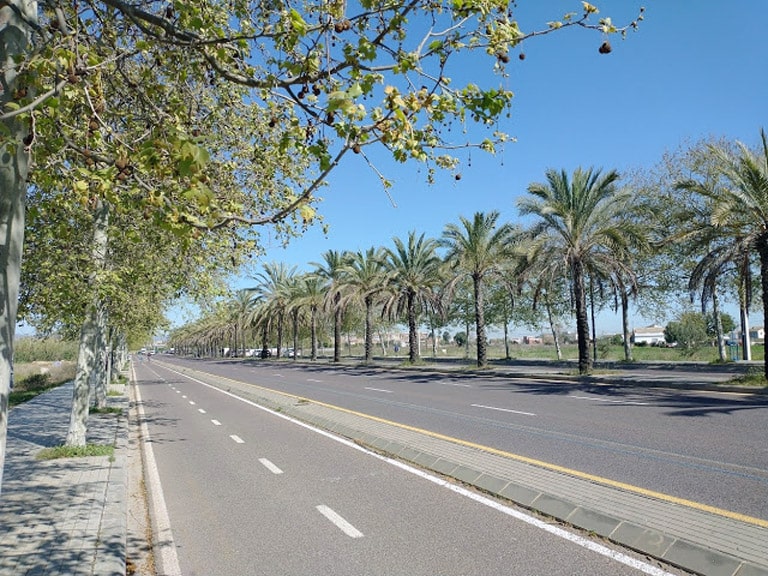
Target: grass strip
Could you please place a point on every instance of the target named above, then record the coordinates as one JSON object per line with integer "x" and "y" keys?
{"x": 56, "y": 452}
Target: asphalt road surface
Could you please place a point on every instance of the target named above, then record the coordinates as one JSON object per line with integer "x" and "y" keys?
{"x": 251, "y": 492}
{"x": 707, "y": 447}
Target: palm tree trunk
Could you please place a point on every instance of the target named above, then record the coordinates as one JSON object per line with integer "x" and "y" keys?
{"x": 762, "y": 248}
{"x": 295, "y": 333}
{"x": 279, "y": 333}
{"x": 746, "y": 344}
{"x": 552, "y": 328}
{"x": 582, "y": 323}
{"x": 337, "y": 319}
{"x": 368, "y": 328}
{"x": 592, "y": 313}
{"x": 313, "y": 332}
{"x": 482, "y": 345}
{"x": 625, "y": 326}
{"x": 413, "y": 354}
{"x": 718, "y": 327}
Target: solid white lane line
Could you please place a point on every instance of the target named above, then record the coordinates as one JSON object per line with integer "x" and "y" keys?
{"x": 216, "y": 422}
{"x": 379, "y": 390}
{"x": 237, "y": 438}
{"x": 201, "y": 411}
{"x": 165, "y": 550}
{"x": 503, "y": 410}
{"x": 522, "y": 516}
{"x": 340, "y": 523}
{"x": 269, "y": 466}
{"x": 633, "y": 402}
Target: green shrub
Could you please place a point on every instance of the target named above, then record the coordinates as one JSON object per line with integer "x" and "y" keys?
{"x": 34, "y": 382}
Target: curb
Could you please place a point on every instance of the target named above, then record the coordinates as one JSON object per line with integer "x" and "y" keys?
{"x": 110, "y": 556}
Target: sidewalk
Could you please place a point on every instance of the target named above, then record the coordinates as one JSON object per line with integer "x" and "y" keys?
{"x": 65, "y": 516}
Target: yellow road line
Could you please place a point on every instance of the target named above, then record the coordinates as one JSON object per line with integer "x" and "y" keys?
{"x": 540, "y": 463}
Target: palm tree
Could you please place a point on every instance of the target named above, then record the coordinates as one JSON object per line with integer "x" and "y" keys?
{"x": 294, "y": 293}
{"x": 414, "y": 270}
{"x": 739, "y": 211}
{"x": 311, "y": 293}
{"x": 272, "y": 292}
{"x": 331, "y": 270}
{"x": 363, "y": 277}
{"x": 582, "y": 220}
{"x": 240, "y": 307}
{"x": 478, "y": 249}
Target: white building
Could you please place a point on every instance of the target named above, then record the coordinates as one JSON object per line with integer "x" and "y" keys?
{"x": 650, "y": 335}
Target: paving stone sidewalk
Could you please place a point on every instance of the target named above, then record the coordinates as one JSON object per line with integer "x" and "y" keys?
{"x": 65, "y": 516}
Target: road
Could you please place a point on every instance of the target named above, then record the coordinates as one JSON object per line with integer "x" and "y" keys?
{"x": 251, "y": 492}
{"x": 706, "y": 447}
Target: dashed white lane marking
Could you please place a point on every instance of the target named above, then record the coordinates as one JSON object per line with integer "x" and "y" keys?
{"x": 313, "y": 380}
{"x": 270, "y": 466}
{"x": 216, "y": 422}
{"x": 340, "y": 523}
{"x": 201, "y": 411}
{"x": 633, "y": 402}
{"x": 379, "y": 390}
{"x": 185, "y": 396}
{"x": 237, "y": 438}
{"x": 192, "y": 402}
{"x": 278, "y": 375}
{"x": 453, "y": 384}
{"x": 178, "y": 391}
{"x": 503, "y": 410}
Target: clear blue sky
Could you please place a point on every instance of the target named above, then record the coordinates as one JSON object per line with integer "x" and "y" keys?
{"x": 695, "y": 68}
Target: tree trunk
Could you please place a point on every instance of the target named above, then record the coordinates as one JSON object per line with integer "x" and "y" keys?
{"x": 762, "y": 248}
{"x": 413, "y": 354}
{"x": 718, "y": 327}
{"x": 582, "y": 324}
{"x": 99, "y": 375}
{"x": 482, "y": 344}
{"x": 313, "y": 332}
{"x": 86, "y": 357}
{"x": 368, "y": 328}
{"x": 279, "y": 333}
{"x": 746, "y": 344}
{"x": 337, "y": 328}
{"x": 383, "y": 343}
{"x": 506, "y": 340}
{"x": 295, "y": 315}
{"x": 466, "y": 340}
{"x": 625, "y": 326}
{"x": 555, "y": 335}
{"x": 592, "y": 313}
{"x": 90, "y": 339}
{"x": 14, "y": 167}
